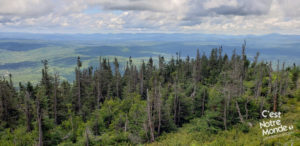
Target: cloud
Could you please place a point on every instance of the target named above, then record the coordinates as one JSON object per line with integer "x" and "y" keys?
{"x": 243, "y": 7}
{"x": 291, "y": 8}
{"x": 25, "y": 7}
{"x": 138, "y": 5}
{"x": 228, "y": 7}
{"x": 205, "y": 16}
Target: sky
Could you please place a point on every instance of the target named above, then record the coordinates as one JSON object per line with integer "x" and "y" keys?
{"x": 151, "y": 16}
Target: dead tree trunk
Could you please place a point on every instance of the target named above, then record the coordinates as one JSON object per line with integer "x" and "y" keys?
{"x": 246, "y": 107}
{"x": 276, "y": 90}
{"x": 270, "y": 79}
{"x": 261, "y": 107}
{"x": 150, "y": 117}
{"x": 259, "y": 91}
{"x": 286, "y": 84}
{"x": 281, "y": 79}
{"x": 159, "y": 109}
{"x": 39, "y": 119}
{"x": 259, "y": 83}
{"x": 239, "y": 111}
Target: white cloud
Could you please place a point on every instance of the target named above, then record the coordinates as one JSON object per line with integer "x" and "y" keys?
{"x": 206, "y": 16}
{"x": 25, "y": 7}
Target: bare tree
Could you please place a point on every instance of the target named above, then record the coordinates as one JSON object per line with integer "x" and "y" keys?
{"x": 150, "y": 125}
{"x": 275, "y": 93}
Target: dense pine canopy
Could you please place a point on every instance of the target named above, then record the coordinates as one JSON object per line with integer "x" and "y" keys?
{"x": 103, "y": 106}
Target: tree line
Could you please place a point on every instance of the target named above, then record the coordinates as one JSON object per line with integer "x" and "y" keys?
{"x": 104, "y": 106}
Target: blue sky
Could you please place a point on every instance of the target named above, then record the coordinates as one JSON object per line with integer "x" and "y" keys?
{"x": 147, "y": 16}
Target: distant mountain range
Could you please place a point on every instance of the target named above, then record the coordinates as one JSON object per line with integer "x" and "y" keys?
{"x": 21, "y": 53}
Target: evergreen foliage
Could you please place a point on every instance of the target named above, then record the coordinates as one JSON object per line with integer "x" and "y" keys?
{"x": 215, "y": 94}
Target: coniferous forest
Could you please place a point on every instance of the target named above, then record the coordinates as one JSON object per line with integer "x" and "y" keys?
{"x": 207, "y": 99}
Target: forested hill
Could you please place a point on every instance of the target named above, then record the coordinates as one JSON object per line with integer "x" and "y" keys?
{"x": 104, "y": 107}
